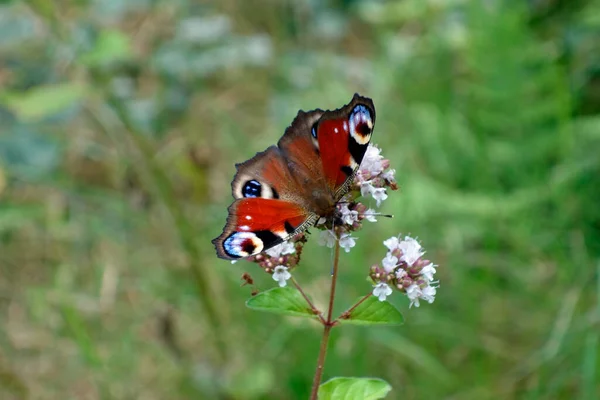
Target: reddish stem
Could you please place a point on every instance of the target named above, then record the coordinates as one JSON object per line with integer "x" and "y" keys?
{"x": 328, "y": 325}
{"x": 346, "y": 314}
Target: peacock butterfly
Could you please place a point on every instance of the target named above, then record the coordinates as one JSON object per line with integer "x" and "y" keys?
{"x": 285, "y": 189}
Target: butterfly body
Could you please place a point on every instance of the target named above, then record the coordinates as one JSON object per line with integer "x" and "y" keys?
{"x": 285, "y": 189}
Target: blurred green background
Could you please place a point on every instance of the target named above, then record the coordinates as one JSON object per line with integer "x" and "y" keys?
{"x": 121, "y": 121}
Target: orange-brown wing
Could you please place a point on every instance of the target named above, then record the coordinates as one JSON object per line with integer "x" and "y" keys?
{"x": 327, "y": 147}
{"x": 266, "y": 175}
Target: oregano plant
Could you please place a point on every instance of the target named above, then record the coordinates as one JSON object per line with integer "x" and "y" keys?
{"x": 403, "y": 269}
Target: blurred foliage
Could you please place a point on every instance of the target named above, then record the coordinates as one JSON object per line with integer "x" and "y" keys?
{"x": 120, "y": 123}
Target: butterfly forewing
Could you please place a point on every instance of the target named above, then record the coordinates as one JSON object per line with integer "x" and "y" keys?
{"x": 266, "y": 175}
{"x": 343, "y": 137}
{"x": 257, "y": 224}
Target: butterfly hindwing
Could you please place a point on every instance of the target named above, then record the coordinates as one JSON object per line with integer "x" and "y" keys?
{"x": 257, "y": 224}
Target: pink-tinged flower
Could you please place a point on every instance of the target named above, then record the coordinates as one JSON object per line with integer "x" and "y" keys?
{"x": 413, "y": 293}
{"x": 286, "y": 254}
{"x": 389, "y": 263}
{"x": 327, "y": 238}
{"x": 381, "y": 291}
{"x": 372, "y": 163}
{"x": 389, "y": 175}
{"x": 370, "y": 215}
{"x": 281, "y": 275}
{"x": 349, "y": 217}
{"x": 347, "y": 242}
{"x": 379, "y": 195}
{"x": 428, "y": 293}
{"x": 400, "y": 273}
{"x": 391, "y": 243}
{"x": 411, "y": 250}
{"x": 281, "y": 249}
{"x": 366, "y": 188}
{"x": 374, "y": 176}
{"x": 428, "y": 271}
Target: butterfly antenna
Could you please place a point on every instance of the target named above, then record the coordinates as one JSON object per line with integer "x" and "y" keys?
{"x": 377, "y": 215}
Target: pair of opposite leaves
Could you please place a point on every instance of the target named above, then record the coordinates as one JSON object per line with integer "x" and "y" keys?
{"x": 285, "y": 189}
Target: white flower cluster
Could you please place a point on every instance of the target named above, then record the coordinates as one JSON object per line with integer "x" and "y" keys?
{"x": 281, "y": 273}
{"x": 373, "y": 175}
{"x": 328, "y": 239}
{"x": 404, "y": 268}
{"x": 281, "y": 249}
{"x": 372, "y": 179}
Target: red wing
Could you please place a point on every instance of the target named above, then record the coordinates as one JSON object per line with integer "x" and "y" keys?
{"x": 326, "y": 147}
{"x": 257, "y": 224}
{"x": 343, "y": 136}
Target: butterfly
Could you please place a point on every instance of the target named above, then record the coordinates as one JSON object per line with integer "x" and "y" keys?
{"x": 285, "y": 189}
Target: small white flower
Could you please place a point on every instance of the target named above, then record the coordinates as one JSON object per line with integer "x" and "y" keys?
{"x": 348, "y": 216}
{"x": 347, "y": 242}
{"x": 413, "y": 292}
{"x": 389, "y": 262}
{"x": 381, "y": 291}
{"x": 411, "y": 250}
{"x": 428, "y": 294}
{"x": 327, "y": 238}
{"x": 391, "y": 243}
{"x": 371, "y": 162}
{"x": 281, "y": 275}
{"x": 428, "y": 271}
{"x": 281, "y": 249}
{"x": 366, "y": 188}
{"x": 379, "y": 194}
{"x": 389, "y": 174}
{"x": 321, "y": 221}
{"x": 370, "y": 215}
{"x": 373, "y": 153}
{"x": 401, "y": 273}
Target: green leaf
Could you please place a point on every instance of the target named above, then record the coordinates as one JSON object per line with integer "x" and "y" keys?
{"x": 43, "y": 101}
{"x": 281, "y": 300}
{"x": 354, "y": 388}
{"x": 374, "y": 312}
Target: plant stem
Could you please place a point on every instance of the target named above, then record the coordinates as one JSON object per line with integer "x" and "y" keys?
{"x": 328, "y": 325}
{"x": 336, "y": 259}
{"x": 320, "y": 362}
